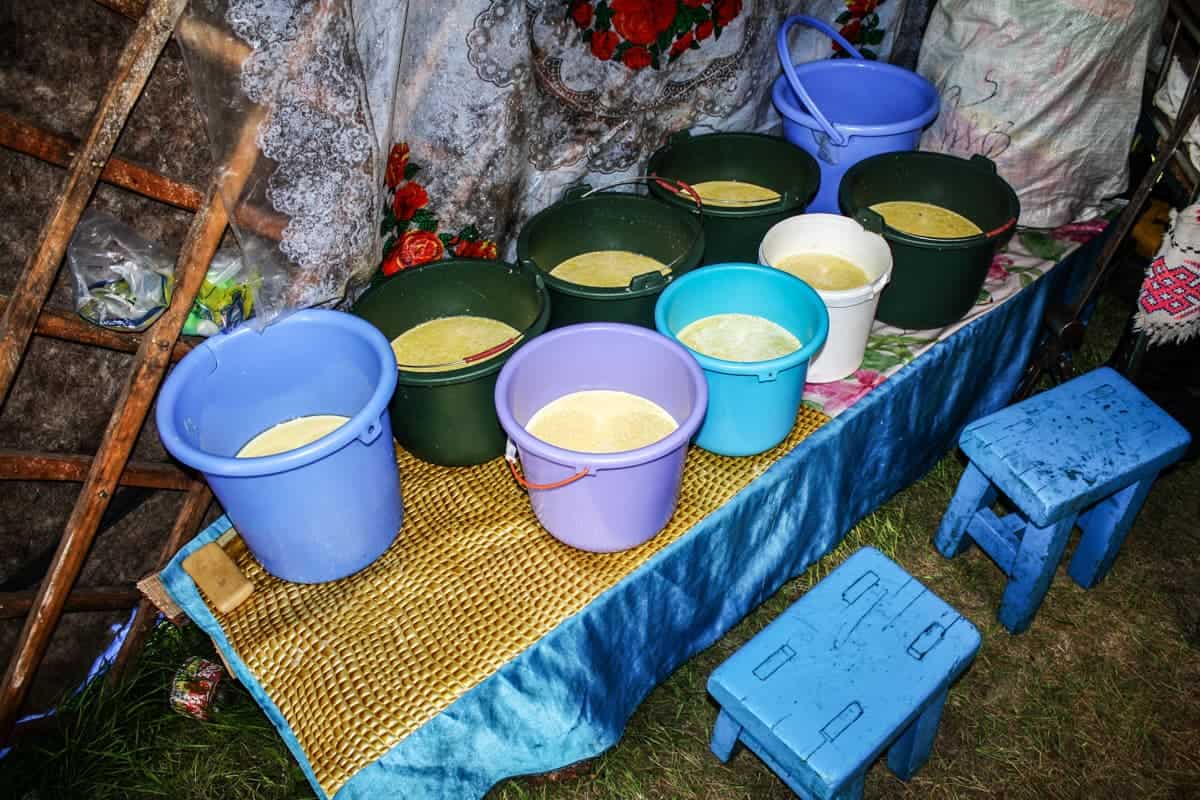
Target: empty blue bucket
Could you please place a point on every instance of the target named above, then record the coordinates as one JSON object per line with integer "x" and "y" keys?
{"x": 842, "y": 110}
{"x": 752, "y": 405}
{"x": 319, "y": 512}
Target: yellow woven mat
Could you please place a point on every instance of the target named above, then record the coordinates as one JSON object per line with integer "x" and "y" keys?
{"x": 472, "y": 581}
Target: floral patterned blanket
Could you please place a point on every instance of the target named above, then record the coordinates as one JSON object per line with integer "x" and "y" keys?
{"x": 1027, "y": 256}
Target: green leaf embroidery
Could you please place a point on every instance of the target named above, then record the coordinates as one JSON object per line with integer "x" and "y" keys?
{"x": 717, "y": 31}
{"x": 446, "y": 238}
{"x": 1041, "y": 245}
{"x": 604, "y": 15}
{"x": 424, "y": 220}
{"x": 586, "y": 36}
{"x": 410, "y": 169}
{"x": 663, "y": 41}
{"x": 873, "y": 37}
{"x": 841, "y": 19}
{"x": 469, "y": 233}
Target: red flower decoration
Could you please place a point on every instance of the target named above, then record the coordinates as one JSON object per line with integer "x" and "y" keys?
{"x": 397, "y": 161}
{"x": 604, "y": 43}
{"x": 694, "y": 3}
{"x": 852, "y": 30}
{"x": 681, "y": 44}
{"x": 636, "y": 58}
{"x": 418, "y": 247}
{"x": 724, "y": 11}
{"x": 480, "y": 248}
{"x": 408, "y": 199}
{"x": 860, "y": 8}
{"x": 704, "y": 30}
{"x": 581, "y": 12}
{"x": 391, "y": 262}
{"x": 641, "y": 21}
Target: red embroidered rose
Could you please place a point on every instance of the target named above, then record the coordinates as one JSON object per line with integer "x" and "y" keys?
{"x": 408, "y": 199}
{"x": 397, "y": 161}
{"x": 419, "y": 247}
{"x": 481, "y": 248}
{"x": 641, "y": 21}
{"x": 391, "y": 262}
{"x": 604, "y": 43}
{"x": 581, "y": 12}
{"x": 681, "y": 44}
{"x": 860, "y": 8}
{"x": 704, "y": 30}
{"x": 636, "y": 58}
{"x": 724, "y": 11}
{"x": 852, "y": 30}
{"x": 694, "y": 3}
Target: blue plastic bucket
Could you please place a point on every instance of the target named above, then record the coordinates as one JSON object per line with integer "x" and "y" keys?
{"x": 845, "y": 109}
{"x": 752, "y": 405}
{"x": 319, "y": 512}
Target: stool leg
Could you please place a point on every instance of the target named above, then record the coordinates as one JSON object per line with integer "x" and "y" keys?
{"x": 852, "y": 790}
{"x": 1033, "y": 570}
{"x": 725, "y": 736}
{"x": 1105, "y": 527}
{"x": 910, "y": 752}
{"x": 974, "y": 492}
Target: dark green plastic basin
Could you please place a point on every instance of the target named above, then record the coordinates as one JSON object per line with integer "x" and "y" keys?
{"x": 934, "y": 281}
{"x": 733, "y": 234}
{"x": 609, "y": 221}
{"x": 449, "y": 418}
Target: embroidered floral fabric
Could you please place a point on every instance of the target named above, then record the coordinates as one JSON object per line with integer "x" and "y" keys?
{"x": 1026, "y": 257}
{"x": 1169, "y": 302}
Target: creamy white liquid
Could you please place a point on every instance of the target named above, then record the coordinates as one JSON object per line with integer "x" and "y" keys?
{"x": 601, "y": 421}
{"x": 441, "y": 344}
{"x": 291, "y": 434}
{"x": 739, "y": 337}
{"x": 733, "y": 194}
{"x": 823, "y": 271}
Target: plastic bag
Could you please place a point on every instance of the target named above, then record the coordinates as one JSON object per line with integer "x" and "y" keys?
{"x": 1048, "y": 89}
{"x": 124, "y": 281}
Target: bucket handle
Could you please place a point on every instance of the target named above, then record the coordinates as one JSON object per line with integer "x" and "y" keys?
{"x": 511, "y": 458}
{"x": 785, "y": 58}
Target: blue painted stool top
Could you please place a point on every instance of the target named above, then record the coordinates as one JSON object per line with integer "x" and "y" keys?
{"x": 833, "y": 679}
{"x": 1071, "y": 446}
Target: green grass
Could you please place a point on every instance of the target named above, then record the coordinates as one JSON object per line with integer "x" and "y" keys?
{"x": 1099, "y": 699}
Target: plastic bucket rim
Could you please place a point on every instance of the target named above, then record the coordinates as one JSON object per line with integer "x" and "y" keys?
{"x": 592, "y": 462}
{"x": 772, "y": 366}
{"x": 602, "y": 292}
{"x": 786, "y": 102}
{"x": 837, "y": 298}
{"x": 232, "y": 467}
{"x": 487, "y": 366}
{"x": 927, "y": 242}
{"x": 775, "y": 207}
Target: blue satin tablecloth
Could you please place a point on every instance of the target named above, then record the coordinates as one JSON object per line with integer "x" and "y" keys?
{"x": 568, "y": 697}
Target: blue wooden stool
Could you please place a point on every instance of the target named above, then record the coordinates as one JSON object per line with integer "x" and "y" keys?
{"x": 861, "y": 663}
{"x": 1086, "y": 451}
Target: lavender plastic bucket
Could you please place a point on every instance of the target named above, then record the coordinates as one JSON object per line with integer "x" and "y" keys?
{"x": 622, "y": 499}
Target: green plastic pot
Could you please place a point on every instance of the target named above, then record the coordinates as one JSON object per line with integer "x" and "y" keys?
{"x": 733, "y": 234}
{"x": 934, "y": 281}
{"x": 609, "y": 221}
{"x": 449, "y": 418}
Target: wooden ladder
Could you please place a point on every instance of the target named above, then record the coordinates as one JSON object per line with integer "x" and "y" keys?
{"x": 23, "y": 314}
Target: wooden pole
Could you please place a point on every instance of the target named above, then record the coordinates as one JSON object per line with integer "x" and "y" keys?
{"x": 133, "y": 69}
{"x": 69, "y": 327}
{"x": 30, "y": 140}
{"x": 21, "y": 465}
{"x": 150, "y": 364}
{"x": 95, "y": 598}
{"x": 191, "y": 514}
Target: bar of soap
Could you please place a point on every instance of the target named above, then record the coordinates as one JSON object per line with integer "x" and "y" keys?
{"x": 218, "y": 577}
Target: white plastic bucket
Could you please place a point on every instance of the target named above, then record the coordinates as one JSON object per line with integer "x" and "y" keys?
{"x": 851, "y": 311}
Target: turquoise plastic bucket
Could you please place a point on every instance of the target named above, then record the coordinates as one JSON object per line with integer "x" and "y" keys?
{"x": 751, "y": 405}
{"x": 319, "y": 512}
{"x": 842, "y": 110}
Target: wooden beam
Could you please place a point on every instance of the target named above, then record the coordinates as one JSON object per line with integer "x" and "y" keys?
{"x": 95, "y": 598}
{"x": 30, "y": 140}
{"x": 191, "y": 514}
{"x": 133, "y": 9}
{"x": 69, "y": 327}
{"x": 133, "y": 69}
{"x": 27, "y": 466}
{"x": 150, "y": 364}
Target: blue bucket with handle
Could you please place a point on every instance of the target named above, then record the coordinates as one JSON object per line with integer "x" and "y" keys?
{"x": 752, "y": 405}
{"x": 319, "y": 512}
{"x": 842, "y": 110}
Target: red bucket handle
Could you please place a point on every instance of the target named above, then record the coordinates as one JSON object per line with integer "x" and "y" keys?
{"x": 512, "y": 466}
